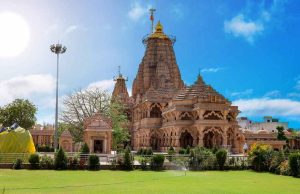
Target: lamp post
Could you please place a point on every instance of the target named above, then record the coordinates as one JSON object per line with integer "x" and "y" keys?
{"x": 57, "y": 49}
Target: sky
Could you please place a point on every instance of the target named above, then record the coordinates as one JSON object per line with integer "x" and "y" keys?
{"x": 247, "y": 50}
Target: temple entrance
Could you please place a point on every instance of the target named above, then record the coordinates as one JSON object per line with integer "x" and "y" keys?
{"x": 154, "y": 143}
{"x": 98, "y": 146}
{"x": 186, "y": 139}
{"x": 212, "y": 140}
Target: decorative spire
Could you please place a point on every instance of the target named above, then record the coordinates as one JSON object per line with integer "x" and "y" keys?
{"x": 152, "y": 10}
{"x": 159, "y": 32}
{"x": 120, "y": 76}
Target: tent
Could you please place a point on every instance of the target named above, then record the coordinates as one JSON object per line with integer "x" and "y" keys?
{"x": 18, "y": 140}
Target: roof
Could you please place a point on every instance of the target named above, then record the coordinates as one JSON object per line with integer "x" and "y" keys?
{"x": 97, "y": 122}
{"x": 200, "y": 90}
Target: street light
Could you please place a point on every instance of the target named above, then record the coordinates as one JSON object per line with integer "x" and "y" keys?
{"x": 57, "y": 49}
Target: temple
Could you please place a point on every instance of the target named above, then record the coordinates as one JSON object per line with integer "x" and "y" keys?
{"x": 165, "y": 112}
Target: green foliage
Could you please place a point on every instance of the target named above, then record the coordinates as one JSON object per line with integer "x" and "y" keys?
{"x": 46, "y": 162}
{"x": 93, "y": 162}
{"x": 294, "y": 163}
{"x": 277, "y": 159}
{"x": 171, "y": 152}
{"x": 85, "y": 149}
{"x": 34, "y": 161}
{"x": 284, "y": 168}
{"x": 17, "y": 164}
{"x": 119, "y": 124}
{"x": 202, "y": 159}
{"x": 143, "y": 161}
{"x": 73, "y": 163}
{"x": 188, "y": 150}
{"x": 19, "y": 111}
{"x": 280, "y": 133}
{"x": 157, "y": 162}
{"x": 221, "y": 156}
{"x": 44, "y": 148}
{"x": 128, "y": 160}
{"x": 61, "y": 160}
{"x": 182, "y": 151}
{"x": 260, "y": 157}
{"x": 149, "y": 152}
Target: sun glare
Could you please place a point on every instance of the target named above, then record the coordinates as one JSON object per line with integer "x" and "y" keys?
{"x": 14, "y": 34}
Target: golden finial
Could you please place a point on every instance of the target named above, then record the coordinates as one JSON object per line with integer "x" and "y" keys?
{"x": 159, "y": 27}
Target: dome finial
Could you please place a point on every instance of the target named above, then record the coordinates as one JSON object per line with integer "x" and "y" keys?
{"x": 159, "y": 27}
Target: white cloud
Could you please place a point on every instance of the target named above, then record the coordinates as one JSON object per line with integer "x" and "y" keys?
{"x": 211, "y": 70}
{"x": 242, "y": 93}
{"x": 137, "y": 11}
{"x": 255, "y": 19}
{"x": 103, "y": 84}
{"x": 240, "y": 27}
{"x": 28, "y": 86}
{"x": 71, "y": 29}
{"x": 274, "y": 93}
{"x": 267, "y": 106}
{"x": 294, "y": 94}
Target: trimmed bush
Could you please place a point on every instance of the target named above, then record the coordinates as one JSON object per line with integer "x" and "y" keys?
{"x": 73, "y": 163}
{"x": 61, "y": 160}
{"x": 260, "y": 156}
{"x": 188, "y": 150}
{"x": 17, "y": 164}
{"x": 182, "y": 151}
{"x": 128, "y": 160}
{"x": 149, "y": 152}
{"x": 46, "y": 162}
{"x": 171, "y": 152}
{"x": 143, "y": 161}
{"x": 221, "y": 156}
{"x": 93, "y": 162}
{"x": 34, "y": 161}
{"x": 294, "y": 163}
{"x": 157, "y": 162}
{"x": 85, "y": 149}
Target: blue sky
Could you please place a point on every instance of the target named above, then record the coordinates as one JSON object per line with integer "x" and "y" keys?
{"x": 246, "y": 50}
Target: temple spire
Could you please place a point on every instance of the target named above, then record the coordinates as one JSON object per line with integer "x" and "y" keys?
{"x": 120, "y": 90}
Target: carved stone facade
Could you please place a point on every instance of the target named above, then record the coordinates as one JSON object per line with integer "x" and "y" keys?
{"x": 167, "y": 113}
{"x": 98, "y": 134}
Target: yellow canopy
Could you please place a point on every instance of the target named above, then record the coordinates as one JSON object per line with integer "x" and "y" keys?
{"x": 16, "y": 141}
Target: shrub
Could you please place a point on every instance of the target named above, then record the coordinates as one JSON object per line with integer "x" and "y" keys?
{"x": 73, "y": 163}
{"x": 143, "y": 161}
{"x": 128, "y": 160}
{"x": 221, "y": 156}
{"x": 17, "y": 164}
{"x": 34, "y": 161}
{"x": 260, "y": 156}
{"x": 284, "y": 168}
{"x": 188, "y": 150}
{"x": 157, "y": 162}
{"x": 202, "y": 159}
{"x": 182, "y": 151}
{"x": 171, "y": 152}
{"x": 85, "y": 149}
{"x": 277, "y": 159}
{"x": 149, "y": 152}
{"x": 294, "y": 163}
{"x": 93, "y": 162}
{"x": 61, "y": 160}
{"x": 46, "y": 162}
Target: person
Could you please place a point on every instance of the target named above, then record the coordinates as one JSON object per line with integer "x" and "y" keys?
{"x": 245, "y": 148}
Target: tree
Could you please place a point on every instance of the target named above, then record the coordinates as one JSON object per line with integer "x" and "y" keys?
{"x": 83, "y": 104}
{"x": 280, "y": 133}
{"x": 119, "y": 125}
{"x": 19, "y": 111}
{"x": 86, "y": 103}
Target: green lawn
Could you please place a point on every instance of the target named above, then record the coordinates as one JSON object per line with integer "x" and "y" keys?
{"x": 216, "y": 182}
